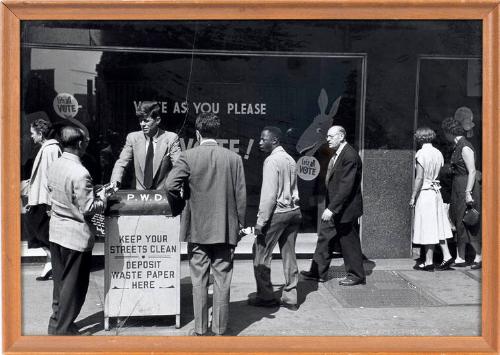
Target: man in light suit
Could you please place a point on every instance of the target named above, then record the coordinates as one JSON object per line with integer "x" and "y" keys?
{"x": 212, "y": 183}
{"x": 153, "y": 150}
{"x": 70, "y": 233}
{"x": 344, "y": 205}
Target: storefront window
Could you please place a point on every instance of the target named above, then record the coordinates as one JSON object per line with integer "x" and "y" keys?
{"x": 378, "y": 79}
{"x": 301, "y": 93}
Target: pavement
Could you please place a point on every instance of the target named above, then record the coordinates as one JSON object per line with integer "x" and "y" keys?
{"x": 396, "y": 300}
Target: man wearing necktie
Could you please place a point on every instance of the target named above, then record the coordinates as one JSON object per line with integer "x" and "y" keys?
{"x": 152, "y": 150}
{"x": 339, "y": 222}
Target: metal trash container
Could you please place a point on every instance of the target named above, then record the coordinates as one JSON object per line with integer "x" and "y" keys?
{"x": 142, "y": 257}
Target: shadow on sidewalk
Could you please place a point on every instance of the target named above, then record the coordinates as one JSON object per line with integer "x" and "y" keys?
{"x": 95, "y": 323}
{"x": 243, "y": 316}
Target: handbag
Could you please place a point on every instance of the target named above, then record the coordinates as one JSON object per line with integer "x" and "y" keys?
{"x": 471, "y": 217}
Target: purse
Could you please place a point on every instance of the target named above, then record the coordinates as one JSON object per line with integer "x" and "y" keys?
{"x": 471, "y": 217}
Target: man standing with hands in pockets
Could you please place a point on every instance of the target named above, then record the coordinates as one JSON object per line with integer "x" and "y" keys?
{"x": 344, "y": 205}
{"x": 278, "y": 221}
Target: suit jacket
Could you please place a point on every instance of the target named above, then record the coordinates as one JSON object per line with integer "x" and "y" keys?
{"x": 167, "y": 151}
{"x": 73, "y": 203}
{"x": 214, "y": 191}
{"x": 38, "y": 192}
{"x": 343, "y": 184}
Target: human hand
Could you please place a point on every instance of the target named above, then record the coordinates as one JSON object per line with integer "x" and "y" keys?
{"x": 258, "y": 230}
{"x": 247, "y": 230}
{"x": 101, "y": 193}
{"x": 468, "y": 198}
{"x": 327, "y": 215}
{"x": 412, "y": 202}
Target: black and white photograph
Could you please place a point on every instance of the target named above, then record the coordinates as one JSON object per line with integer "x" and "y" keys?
{"x": 251, "y": 177}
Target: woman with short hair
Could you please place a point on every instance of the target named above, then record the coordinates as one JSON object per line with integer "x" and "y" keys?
{"x": 430, "y": 223}
{"x": 38, "y": 207}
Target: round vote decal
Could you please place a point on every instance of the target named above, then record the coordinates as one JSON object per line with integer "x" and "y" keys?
{"x": 65, "y": 105}
{"x": 308, "y": 168}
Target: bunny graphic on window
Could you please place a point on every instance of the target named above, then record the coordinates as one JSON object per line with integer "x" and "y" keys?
{"x": 315, "y": 135}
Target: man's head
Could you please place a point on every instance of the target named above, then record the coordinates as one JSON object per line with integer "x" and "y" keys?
{"x": 74, "y": 140}
{"x": 207, "y": 126}
{"x": 335, "y": 137}
{"x": 148, "y": 113}
{"x": 270, "y": 138}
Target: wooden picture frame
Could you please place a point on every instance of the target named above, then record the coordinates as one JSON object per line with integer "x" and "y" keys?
{"x": 13, "y": 12}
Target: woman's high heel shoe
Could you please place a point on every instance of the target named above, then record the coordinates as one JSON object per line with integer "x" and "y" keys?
{"x": 46, "y": 277}
{"x": 423, "y": 267}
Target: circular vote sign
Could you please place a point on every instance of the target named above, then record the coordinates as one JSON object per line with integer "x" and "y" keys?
{"x": 65, "y": 105}
{"x": 308, "y": 168}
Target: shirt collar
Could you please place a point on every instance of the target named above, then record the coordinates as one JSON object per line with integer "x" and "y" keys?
{"x": 71, "y": 156}
{"x": 427, "y": 145}
{"x": 457, "y": 139}
{"x": 208, "y": 140}
{"x": 277, "y": 149}
{"x": 339, "y": 150}
{"x": 155, "y": 137}
{"x": 49, "y": 142}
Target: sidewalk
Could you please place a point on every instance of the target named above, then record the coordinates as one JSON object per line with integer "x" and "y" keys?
{"x": 396, "y": 300}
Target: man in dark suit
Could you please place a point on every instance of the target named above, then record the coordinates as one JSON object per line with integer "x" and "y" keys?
{"x": 152, "y": 149}
{"x": 344, "y": 205}
{"x": 211, "y": 181}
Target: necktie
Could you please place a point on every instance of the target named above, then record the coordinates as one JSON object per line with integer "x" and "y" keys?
{"x": 148, "y": 169}
{"x": 330, "y": 168}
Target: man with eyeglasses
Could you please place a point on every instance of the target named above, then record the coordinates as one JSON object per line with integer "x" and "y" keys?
{"x": 153, "y": 151}
{"x": 339, "y": 221}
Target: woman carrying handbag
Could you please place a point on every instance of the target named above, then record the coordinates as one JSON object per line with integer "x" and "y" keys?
{"x": 465, "y": 193}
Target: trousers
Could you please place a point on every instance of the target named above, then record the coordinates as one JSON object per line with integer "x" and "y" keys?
{"x": 71, "y": 274}
{"x": 348, "y": 236}
{"x": 283, "y": 228}
{"x": 219, "y": 258}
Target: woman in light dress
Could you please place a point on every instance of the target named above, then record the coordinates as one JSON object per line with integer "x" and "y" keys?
{"x": 430, "y": 225}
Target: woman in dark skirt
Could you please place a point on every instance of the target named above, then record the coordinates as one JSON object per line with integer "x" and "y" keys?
{"x": 465, "y": 191}
{"x": 38, "y": 207}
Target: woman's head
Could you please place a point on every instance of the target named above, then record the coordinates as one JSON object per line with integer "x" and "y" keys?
{"x": 40, "y": 129}
{"x": 452, "y": 128}
{"x": 424, "y": 135}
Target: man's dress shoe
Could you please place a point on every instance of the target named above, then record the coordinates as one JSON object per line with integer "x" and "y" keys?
{"x": 308, "y": 275}
{"x": 290, "y": 306}
{"x": 192, "y": 333}
{"x": 351, "y": 282}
